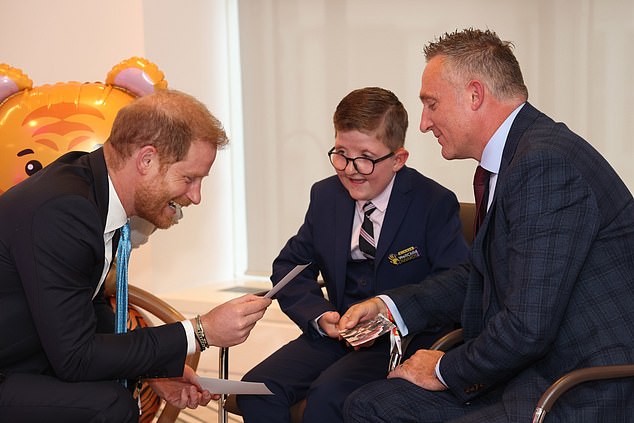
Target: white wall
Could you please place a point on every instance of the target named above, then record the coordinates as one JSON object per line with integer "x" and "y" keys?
{"x": 300, "y": 57}
{"x": 65, "y": 40}
{"x": 189, "y": 40}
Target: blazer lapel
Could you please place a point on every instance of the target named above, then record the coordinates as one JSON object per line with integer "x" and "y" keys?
{"x": 115, "y": 244}
{"x": 344, "y": 214}
{"x": 522, "y": 122}
{"x": 100, "y": 176}
{"x": 480, "y": 277}
{"x": 101, "y": 188}
{"x": 395, "y": 213}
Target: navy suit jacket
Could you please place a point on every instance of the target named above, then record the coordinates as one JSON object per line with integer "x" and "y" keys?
{"x": 51, "y": 260}
{"x": 420, "y": 214}
{"x": 550, "y": 284}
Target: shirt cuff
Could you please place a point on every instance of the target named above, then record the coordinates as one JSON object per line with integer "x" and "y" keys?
{"x": 439, "y": 376}
{"x": 189, "y": 333}
{"x": 398, "y": 320}
{"x": 317, "y": 327}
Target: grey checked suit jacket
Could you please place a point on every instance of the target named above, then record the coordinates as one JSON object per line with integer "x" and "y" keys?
{"x": 550, "y": 284}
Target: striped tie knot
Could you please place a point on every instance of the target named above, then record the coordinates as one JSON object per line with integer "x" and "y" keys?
{"x": 368, "y": 208}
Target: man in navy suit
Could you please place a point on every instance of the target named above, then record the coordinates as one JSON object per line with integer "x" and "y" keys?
{"x": 416, "y": 223}
{"x": 550, "y": 284}
{"x": 59, "y": 358}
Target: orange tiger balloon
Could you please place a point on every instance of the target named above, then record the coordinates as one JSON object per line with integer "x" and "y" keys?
{"x": 39, "y": 124}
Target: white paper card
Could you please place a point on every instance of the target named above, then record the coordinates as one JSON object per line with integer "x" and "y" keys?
{"x": 224, "y": 386}
{"x": 286, "y": 279}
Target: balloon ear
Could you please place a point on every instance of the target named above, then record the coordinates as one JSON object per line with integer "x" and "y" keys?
{"x": 137, "y": 75}
{"x": 12, "y": 80}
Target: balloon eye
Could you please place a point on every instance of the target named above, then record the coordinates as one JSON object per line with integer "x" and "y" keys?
{"x": 32, "y": 167}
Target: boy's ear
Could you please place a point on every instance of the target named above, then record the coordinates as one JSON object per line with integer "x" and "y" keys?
{"x": 400, "y": 157}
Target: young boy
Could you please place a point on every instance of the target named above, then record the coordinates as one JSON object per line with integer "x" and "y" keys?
{"x": 376, "y": 225}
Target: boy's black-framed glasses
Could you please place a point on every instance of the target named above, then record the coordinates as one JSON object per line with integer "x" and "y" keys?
{"x": 363, "y": 165}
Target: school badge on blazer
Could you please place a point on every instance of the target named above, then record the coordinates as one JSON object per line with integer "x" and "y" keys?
{"x": 404, "y": 256}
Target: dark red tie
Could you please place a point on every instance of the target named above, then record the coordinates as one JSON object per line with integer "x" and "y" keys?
{"x": 481, "y": 190}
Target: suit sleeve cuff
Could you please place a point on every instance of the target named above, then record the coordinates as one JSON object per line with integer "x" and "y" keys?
{"x": 398, "y": 320}
{"x": 438, "y": 375}
{"x": 316, "y": 326}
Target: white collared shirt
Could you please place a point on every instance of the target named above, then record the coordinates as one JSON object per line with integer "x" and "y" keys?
{"x": 380, "y": 202}
{"x": 115, "y": 219}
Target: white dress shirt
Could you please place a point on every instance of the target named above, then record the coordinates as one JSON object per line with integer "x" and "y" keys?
{"x": 115, "y": 219}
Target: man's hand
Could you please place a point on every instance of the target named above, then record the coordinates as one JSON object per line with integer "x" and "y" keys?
{"x": 183, "y": 391}
{"x": 230, "y": 323}
{"x": 361, "y": 312}
{"x": 420, "y": 369}
{"x": 328, "y": 323}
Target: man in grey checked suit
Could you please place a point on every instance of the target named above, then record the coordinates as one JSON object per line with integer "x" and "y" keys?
{"x": 550, "y": 284}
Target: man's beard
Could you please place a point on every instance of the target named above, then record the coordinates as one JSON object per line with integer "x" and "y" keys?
{"x": 151, "y": 202}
